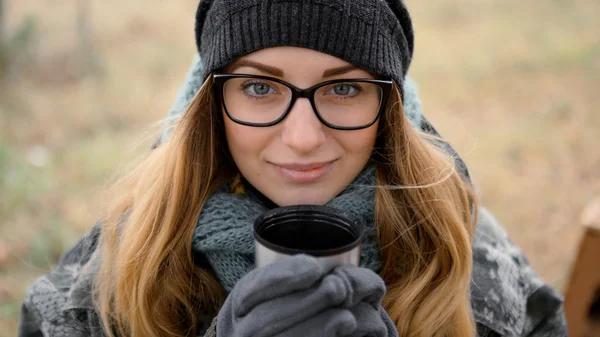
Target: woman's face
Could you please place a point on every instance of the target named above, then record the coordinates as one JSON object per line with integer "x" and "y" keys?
{"x": 299, "y": 160}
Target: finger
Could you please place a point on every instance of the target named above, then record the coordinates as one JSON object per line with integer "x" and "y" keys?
{"x": 329, "y": 323}
{"x": 392, "y": 330}
{"x": 369, "y": 321}
{"x": 364, "y": 285}
{"x": 279, "y": 314}
{"x": 274, "y": 280}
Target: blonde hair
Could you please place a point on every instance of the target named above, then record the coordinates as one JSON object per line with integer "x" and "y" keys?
{"x": 148, "y": 284}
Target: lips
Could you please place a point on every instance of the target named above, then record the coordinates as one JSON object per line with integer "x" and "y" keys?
{"x": 304, "y": 167}
{"x": 303, "y": 173}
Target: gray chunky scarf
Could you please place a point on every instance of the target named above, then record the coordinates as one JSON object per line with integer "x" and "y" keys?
{"x": 224, "y": 232}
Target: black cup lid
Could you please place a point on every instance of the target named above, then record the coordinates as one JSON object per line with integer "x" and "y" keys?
{"x": 316, "y": 213}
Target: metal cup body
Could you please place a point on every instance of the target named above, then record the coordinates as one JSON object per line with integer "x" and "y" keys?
{"x": 322, "y": 219}
{"x": 265, "y": 256}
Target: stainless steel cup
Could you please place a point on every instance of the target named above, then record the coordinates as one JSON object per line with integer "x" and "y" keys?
{"x": 329, "y": 234}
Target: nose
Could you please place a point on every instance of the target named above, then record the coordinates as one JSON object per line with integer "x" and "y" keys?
{"x": 302, "y": 130}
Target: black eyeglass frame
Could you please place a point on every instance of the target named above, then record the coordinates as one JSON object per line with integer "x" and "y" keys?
{"x": 385, "y": 85}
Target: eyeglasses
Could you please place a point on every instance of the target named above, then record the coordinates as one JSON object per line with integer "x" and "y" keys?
{"x": 261, "y": 101}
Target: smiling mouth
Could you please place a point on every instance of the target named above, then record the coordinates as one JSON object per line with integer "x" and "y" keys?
{"x": 303, "y": 173}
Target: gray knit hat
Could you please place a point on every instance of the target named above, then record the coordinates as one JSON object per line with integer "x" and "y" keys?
{"x": 375, "y": 35}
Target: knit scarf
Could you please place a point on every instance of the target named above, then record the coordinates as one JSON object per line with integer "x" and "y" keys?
{"x": 224, "y": 231}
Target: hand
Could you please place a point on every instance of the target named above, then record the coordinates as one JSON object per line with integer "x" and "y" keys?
{"x": 298, "y": 296}
{"x": 365, "y": 304}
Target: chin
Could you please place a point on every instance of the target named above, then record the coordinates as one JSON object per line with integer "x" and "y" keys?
{"x": 302, "y": 198}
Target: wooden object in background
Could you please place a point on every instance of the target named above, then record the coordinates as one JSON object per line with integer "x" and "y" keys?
{"x": 584, "y": 285}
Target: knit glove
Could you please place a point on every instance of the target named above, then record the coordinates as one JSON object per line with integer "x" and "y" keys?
{"x": 298, "y": 296}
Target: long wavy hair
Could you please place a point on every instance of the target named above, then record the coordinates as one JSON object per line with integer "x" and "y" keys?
{"x": 148, "y": 284}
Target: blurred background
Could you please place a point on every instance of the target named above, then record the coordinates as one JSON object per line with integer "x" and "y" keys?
{"x": 513, "y": 85}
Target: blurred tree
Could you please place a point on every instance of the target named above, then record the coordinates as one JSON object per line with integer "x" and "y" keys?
{"x": 89, "y": 59}
{"x": 15, "y": 45}
{"x": 3, "y": 61}
{"x": 1, "y": 20}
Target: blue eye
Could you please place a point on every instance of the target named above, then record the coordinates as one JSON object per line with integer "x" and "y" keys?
{"x": 345, "y": 89}
{"x": 258, "y": 88}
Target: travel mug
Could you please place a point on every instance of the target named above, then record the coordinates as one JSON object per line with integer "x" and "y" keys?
{"x": 329, "y": 234}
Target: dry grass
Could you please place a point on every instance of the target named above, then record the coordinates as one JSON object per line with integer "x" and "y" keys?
{"x": 511, "y": 84}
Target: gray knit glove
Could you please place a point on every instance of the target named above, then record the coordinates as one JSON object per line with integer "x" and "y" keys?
{"x": 297, "y": 296}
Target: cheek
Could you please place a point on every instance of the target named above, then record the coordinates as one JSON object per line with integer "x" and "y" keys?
{"x": 243, "y": 141}
{"x": 358, "y": 142}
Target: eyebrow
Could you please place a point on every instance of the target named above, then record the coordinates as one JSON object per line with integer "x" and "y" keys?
{"x": 274, "y": 71}
{"x": 338, "y": 71}
{"x": 262, "y": 67}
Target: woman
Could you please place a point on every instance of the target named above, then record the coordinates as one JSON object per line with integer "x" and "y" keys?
{"x": 301, "y": 103}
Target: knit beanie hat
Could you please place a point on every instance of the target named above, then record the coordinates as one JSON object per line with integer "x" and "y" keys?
{"x": 375, "y": 35}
